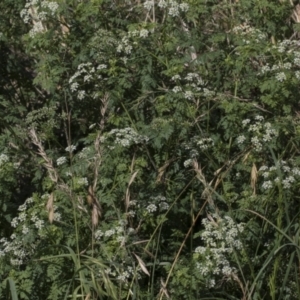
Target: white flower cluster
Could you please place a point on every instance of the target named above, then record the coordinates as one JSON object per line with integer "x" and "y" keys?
{"x": 249, "y": 32}
{"x": 187, "y": 163}
{"x": 173, "y": 6}
{"x": 157, "y": 202}
{"x": 125, "y": 46}
{"x": 71, "y": 148}
{"x": 61, "y": 160}
{"x": 192, "y": 85}
{"x": 151, "y": 208}
{"x": 281, "y": 69}
{"x": 126, "y": 274}
{"x": 205, "y": 143}
{"x": 148, "y": 4}
{"x": 84, "y": 152}
{"x": 221, "y": 238}
{"x": 15, "y": 249}
{"x": 194, "y": 77}
{"x": 87, "y": 71}
{"x": 3, "y": 159}
{"x": 83, "y": 181}
{"x": 98, "y": 234}
{"x": 176, "y": 89}
{"x": 117, "y": 233}
{"x": 261, "y": 132}
{"x": 289, "y": 175}
{"x": 127, "y": 137}
{"x": 38, "y": 11}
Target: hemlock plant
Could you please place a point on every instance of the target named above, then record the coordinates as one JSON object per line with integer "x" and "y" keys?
{"x": 149, "y": 149}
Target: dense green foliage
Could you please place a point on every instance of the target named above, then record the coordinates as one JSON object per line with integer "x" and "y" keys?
{"x": 149, "y": 149}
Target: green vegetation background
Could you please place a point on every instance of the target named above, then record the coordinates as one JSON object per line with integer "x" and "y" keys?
{"x": 149, "y": 149}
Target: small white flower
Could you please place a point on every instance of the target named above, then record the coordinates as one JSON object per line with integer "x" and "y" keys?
{"x": 173, "y": 11}
{"x": 133, "y": 33}
{"x": 296, "y": 171}
{"x": 101, "y": 67}
{"x": 39, "y": 224}
{"x": 70, "y": 148}
{"x": 25, "y": 229}
{"x": 22, "y": 217}
{"x": 148, "y": 4}
{"x": 162, "y": 4}
{"x": 29, "y": 200}
{"x": 184, "y": 7}
{"x": 211, "y": 283}
{"x": 226, "y": 270}
{"x": 74, "y": 86}
{"x": 57, "y": 216}
{"x": 208, "y": 93}
{"x": 151, "y": 208}
{"x": 109, "y": 233}
{"x": 14, "y": 223}
{"x": 267, "y": 185}
{"x": 144, "y": 33}
{"x": 259, "y": 118}
{"x": 176, "y": 77}
{"x": 83, "y": 181}
{"x": 61, "y": 160}
{"x": 3, "y": 159}
{"x": 132, "y": 202}
{"x": 87, "y": 78}
{"x": 280, "y": 76}
{"x": 256, "y": 143}
{"x": 163, "y": 206}
{"x": 22, "y": 207}
{"x": 176, "y": 89}
{"x": 34, "y": 217}
{"x": 297, "y": 74}
{"x": 98, "y": 234}
{"x": 120, "y": 48}
{"x": 188, "y": 163}
{"x": 200, "y": 250}
{"x": 205, "y": 143}
{"x": 188, "y": 95}
{"x": 245, "y": 122}
{"x": 81, "y": 95}
{"x": 53, "y": 6}
{"x": 128, "y": 49}
{"x": 240, "y": 139}
{"x": 265, "y": 69}
{"x": 277, "y": 180}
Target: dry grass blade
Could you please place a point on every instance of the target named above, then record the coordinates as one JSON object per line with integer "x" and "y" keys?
{"x": 96, "y": 214}
{"x": 163, "y": 290}
{"x": 88, "y": 297}
{"x": 91, "y": 198}
{"x": 296, "y": 14}
{"x": 162, "y": 170}
{"x": 48, "y": 162}
{"x": 253, "y": 178}
{"x": 50, "y": 208}
{"x": 127, "y": 197}
{"x": 206, "y": 194}
{"x": 142, "y": 264}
